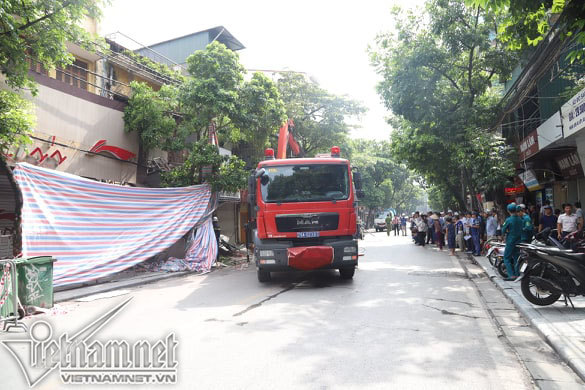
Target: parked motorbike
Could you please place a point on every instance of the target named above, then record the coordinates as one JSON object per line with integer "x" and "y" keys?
{"x": 495, "y": 253}
{"x": 550, "y": 273}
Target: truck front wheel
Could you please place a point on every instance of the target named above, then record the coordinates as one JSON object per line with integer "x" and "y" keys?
{"x": 263, "y": 275}
{"x": 347, "y": 273}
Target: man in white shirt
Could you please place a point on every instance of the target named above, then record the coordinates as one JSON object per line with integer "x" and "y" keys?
{"x": 568, "y": 222}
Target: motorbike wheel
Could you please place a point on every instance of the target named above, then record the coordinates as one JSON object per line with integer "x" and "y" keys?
{"x": 492, "y": 259}
{"x": 502, "y": 268}
{"x": 534, "y": 296}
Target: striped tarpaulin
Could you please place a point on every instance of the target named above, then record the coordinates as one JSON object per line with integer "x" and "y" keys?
{"x": 95, "y": 229}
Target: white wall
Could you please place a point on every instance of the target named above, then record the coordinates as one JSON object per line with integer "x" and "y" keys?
{"x": 80, "y": 123}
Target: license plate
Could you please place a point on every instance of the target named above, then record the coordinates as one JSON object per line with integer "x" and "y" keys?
{"x": 307, "y": 234}
{"x": 524, "y": 266}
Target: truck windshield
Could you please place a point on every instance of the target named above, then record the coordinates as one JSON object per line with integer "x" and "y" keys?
{"x": 306, "y": 183}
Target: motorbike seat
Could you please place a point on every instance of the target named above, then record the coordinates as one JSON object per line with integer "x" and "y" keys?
{"x": 566, "y": 253}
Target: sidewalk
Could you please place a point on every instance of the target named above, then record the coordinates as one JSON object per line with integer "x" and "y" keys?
{"x": 561, "y": 326}
{"x": 130, "y": 278}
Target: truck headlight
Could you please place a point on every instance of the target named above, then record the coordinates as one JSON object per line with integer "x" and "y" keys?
{"x": 266, "y": 253}
{"x": 350, "y": 249}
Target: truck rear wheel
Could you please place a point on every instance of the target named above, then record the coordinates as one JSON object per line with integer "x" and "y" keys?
{"x": 347, "y": 273}
{"x": 263, "y": 275}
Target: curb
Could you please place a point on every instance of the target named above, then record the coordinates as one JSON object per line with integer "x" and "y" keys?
{"x": 76, "y": 293}
{"x": 571, "y": 353}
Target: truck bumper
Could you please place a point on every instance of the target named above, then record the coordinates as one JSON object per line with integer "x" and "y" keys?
{"x": 273, "y": 255}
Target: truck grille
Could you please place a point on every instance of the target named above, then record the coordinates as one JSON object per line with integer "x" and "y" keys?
{"x": 311, "y": 222}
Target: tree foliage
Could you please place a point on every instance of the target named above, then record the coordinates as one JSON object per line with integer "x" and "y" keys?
{"x": 149, "y": 113}
{"x": 526, "y": 22}
{"x": 386, "y": 182}
{"x": 16, "y": 120}
{"x": 321, "y": 118}
{"x": 215, "y": 92}
{"x": 440, "y": 79}
{"x": 37, "y": 31}
{"x": 226, "y": 173}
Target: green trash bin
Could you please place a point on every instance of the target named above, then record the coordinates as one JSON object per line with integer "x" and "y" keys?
{"x": 35, "y": 281}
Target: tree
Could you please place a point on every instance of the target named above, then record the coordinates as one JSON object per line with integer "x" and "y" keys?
{"x": 215, "y": 93}
{"x": 16, "y": 120}
{"x": 526, "y": 22}
{"x": 36, "y": 31}
{"x": 440, "y": 73}
{"x": 386, "y": 182}
{"x": 226, "y": 173}
{"x": 321, "y": 118}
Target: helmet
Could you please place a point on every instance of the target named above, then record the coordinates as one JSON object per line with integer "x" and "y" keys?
{"x": 520, "y": 208}
{"x": 512, "y": 207}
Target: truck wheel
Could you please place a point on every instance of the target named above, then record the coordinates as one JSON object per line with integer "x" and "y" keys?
{"x": 347, "y": 273}
{"x": 263, "y": 275}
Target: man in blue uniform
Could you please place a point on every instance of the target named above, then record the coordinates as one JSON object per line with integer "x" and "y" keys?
{"x": 475, "y": 234}
{"x": 527, "y": 225}
{"x": 512, "y": 229}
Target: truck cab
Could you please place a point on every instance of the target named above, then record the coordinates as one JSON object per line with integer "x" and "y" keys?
{"x": 304, "y": 215}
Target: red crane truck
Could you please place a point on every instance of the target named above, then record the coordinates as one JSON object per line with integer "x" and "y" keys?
{"x": 303, "y": 211}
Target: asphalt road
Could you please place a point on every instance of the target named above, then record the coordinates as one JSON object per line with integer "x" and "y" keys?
{"x": 410, "y": 319}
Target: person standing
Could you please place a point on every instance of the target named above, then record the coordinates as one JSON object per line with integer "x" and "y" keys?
{"x": 403, "y": 224}
{"x": 388, "y": 224}
{"x": 548, "y": 220}
{"x": 459, "y": 233}
{"x": 491, "y": 226}
{"x": 475, "y": 233}
{"x": 438, "y": 231}
{"x": 396, "y": 225}
{"x": 567, "y": 222}
{"x": 512, "y": 229}
{"x": 422, "y": 228}
{"x": 430, "y": 230}
{"x": 527, "y": 227}
{"x": 450, "y": 232}
{"x": 535, "y": 215}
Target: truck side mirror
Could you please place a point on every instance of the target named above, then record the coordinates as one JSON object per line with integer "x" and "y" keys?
{"x": 357, "y": 180}
{"x": 252, "y": 196}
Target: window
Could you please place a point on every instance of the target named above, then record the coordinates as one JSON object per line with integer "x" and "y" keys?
{"x": 305, "y": 183}
{"x": 75, "y": 74}
{"x": 36, "y": 66}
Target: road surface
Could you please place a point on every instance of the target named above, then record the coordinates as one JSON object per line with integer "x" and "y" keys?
{"x": 410, "y": 319}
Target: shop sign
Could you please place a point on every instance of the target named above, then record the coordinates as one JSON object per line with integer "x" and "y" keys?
{"x": 530, "y": 181}
{"x": 570, "y": 166}
{"x": 573, "y": 114}
{"x": 529, "y": 145}
{"x": 550, "y": 131}
{"x": 511, "y": 191}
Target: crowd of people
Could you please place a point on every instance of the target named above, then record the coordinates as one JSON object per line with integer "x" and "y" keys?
{"x": 468, "y": 231}
{"x": 465, "y": 231}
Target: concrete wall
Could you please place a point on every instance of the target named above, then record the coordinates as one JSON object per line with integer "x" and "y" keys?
{"x": 78, "y": 124}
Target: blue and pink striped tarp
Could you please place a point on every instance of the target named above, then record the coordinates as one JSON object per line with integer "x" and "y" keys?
{"x": 95, "y": 229}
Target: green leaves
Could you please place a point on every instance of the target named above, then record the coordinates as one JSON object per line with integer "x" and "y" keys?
{"x": 32, "y": 30}
{"x": 149, "y": 113}
{"x": 16, "y": 120}
{"x": 321, "y": 118}
{"x": 440, "y": 74}
{"x": 37, "y": 31}
{"x": 225, "y": 173}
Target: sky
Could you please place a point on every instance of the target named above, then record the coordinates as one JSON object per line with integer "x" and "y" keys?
{"x": 324, "y": 38}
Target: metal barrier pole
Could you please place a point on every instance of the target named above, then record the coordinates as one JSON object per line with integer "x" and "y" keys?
{"x": 13, "y": 321}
